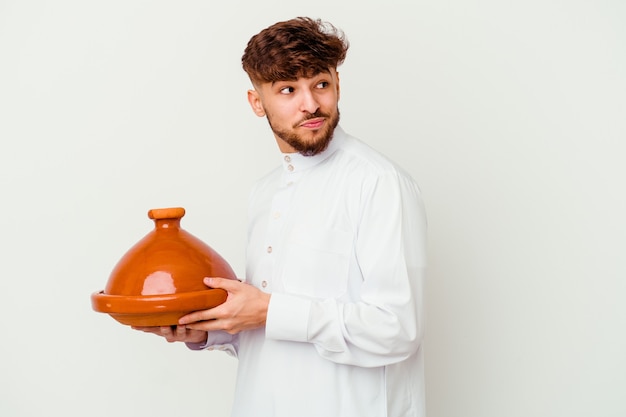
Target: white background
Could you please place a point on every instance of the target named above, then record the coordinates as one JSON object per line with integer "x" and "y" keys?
{"x": 510, "y": 115}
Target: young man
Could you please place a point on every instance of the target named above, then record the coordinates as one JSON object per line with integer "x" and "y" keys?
{"x": 328, "y": 322}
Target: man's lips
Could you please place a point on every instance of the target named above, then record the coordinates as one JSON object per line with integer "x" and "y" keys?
{"x": 313, "y": 123}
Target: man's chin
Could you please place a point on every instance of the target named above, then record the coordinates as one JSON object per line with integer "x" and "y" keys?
{"x": 306, "y": 141}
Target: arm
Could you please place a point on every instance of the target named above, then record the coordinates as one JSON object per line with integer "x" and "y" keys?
{"x": 381, "y": 323}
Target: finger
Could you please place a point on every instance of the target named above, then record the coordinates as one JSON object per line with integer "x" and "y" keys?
{"x": 206, "y": 326}
{"x": 181, "y": 332}
{"x": 170, "y": 333}
{"x": 223, "y": 283}
{"x": 201, "y": 315}
{"x": 148, "y": 329}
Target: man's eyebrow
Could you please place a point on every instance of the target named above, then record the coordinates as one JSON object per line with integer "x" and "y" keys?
{"x": 285, "y": 80}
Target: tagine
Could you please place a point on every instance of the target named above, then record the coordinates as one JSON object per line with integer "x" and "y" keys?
{"x": 160, "y": 278}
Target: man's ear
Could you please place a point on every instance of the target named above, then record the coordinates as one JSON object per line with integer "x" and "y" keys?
{"x": 255, "y": 102}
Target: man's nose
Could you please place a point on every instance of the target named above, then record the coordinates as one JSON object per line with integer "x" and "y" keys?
{"x": 308, "y": 102}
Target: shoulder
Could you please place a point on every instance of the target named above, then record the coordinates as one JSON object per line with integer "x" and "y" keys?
{"x": 359, "y": 157}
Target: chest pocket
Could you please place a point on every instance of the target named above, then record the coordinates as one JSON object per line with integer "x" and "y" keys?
{"x": 317, "y": 262}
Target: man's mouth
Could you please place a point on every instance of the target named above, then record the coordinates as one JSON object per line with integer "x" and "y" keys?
{"x": 313, "y": 123}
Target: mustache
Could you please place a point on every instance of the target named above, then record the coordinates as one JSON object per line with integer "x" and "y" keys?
{"x": 310, "y": 116}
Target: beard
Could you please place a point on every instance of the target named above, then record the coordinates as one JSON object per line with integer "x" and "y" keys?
{"x": 313, "y": 147}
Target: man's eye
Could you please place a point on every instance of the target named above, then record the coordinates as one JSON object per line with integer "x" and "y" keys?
{"x": 286, "y": 90}
{"x": 322, "y": 84}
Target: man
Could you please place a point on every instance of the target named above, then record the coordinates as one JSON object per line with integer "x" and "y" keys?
{"x": 328, "y": 322}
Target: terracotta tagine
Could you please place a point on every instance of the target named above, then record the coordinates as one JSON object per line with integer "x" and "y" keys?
{"x": 160, "y": 278}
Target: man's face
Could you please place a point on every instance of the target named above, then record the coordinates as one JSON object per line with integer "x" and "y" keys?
{"x": 303, "y": 113}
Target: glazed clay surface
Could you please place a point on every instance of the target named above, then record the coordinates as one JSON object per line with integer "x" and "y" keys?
{"x": 160, "y": 278}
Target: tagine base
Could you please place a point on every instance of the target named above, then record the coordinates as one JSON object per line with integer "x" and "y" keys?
{"x": 155, "y": 310}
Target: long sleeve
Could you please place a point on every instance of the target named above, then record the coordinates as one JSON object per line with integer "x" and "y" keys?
{"x": 381, "y": 323}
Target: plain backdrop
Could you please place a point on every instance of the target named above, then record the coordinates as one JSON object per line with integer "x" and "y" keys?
{"x": 509, "y": 114}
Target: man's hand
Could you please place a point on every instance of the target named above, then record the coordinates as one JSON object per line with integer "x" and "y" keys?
{"x": 244, "y": 309}
{"x": 176, "y": 333}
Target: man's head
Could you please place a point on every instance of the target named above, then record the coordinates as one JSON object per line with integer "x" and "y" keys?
{"x": 293, "y": 67}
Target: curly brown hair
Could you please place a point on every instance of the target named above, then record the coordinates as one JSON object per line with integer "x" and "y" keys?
{"x": 300, "y": 47}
